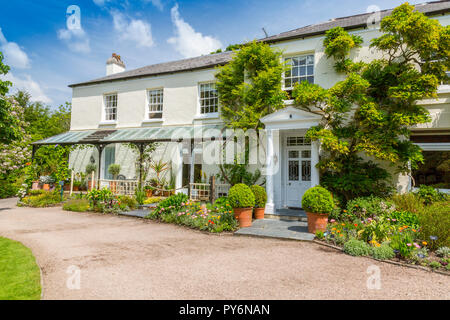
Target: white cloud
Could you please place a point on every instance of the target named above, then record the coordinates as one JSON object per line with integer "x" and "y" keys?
{"x": 100, "y": 3}
{"x": 187, "y": 41}
{"x": 14, "y": 56}
{"x": 156, "y": 3}
{"x": 75, "y": 39}
{"x": 134, "y": 30}
{"x": 28, "y": 84}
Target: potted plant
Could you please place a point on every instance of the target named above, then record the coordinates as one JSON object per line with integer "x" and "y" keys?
{"x": 260, "y": 201}
{"x": 114, "y": 170}
{"x": 242, "y": 200}
{"x": 91, "y": 167}
{"x": 76, "y": 185}
{"x": 46, "y": 181}
{"x": 318, "y": 203}
{"x": 148, "y": 191}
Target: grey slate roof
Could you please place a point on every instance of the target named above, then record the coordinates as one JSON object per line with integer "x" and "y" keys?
{"x": 212, "y": 60}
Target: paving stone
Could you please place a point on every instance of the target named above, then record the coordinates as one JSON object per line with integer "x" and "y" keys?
{"x": 281, "y": 229}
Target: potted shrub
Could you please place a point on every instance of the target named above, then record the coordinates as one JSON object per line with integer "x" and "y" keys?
{"x": 76, "y": 185}
{"x": 114, "y": 170}
{"x": 242, "y": 200}
{"x": 46, "y": 181}
{"x": 260, "y": 201}
{"x": 318, "y": 203}
{"x": 91, "y": 167}
{"x": 148, "y": 191}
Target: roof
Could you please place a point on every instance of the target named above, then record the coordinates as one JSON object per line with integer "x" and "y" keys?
{"x": 136, "y": 135}
{"x": 212, "y": 60}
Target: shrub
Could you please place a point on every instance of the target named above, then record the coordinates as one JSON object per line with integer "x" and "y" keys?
{"x": 377, "y": 230}
{"x": 77, "y": 205}
{"x": 435, "y": 225}
{"x": 241, "y": 196}
{"x": 260, "y": 196}
{"x": 405, "y": 218}
{"x": 318, "y": 200}
{"x": 139, "y": 195}
{"x": 90, "y": 167}
{"x": 152, "y": 200}
{"x": 356, "y": 248}
{"x": 371, "y": 206}
{"x": 45, "y": 199}
{"x": 443, "y": 252}
{"x": 429, "y": 195}
{"x": 435, "y": 265}
{"x": 172, "y": 203}
{"x": 403, "y": 242}
{"x": 383, "y": 252}
{"x": 407, "y": 202}
{"x": 114, "y": 170}
{"x": 95, "y": 196}
{"x": 46, "y": 180}
{"x": 128, "y": 201}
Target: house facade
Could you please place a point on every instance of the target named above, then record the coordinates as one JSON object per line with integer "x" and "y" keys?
{"x": 169, "y": 102}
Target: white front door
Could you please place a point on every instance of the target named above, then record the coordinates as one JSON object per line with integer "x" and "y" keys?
{"x": 298, "y": 174}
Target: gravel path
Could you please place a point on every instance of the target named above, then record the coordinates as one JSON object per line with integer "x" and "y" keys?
{"x": 128, "y": 258}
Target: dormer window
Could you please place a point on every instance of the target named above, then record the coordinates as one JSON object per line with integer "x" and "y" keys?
{"x": 111, "y": 107}
{"x": 301, "y": 68}
{"x": 209, "y": 99}
{"x": 155, "y": 103}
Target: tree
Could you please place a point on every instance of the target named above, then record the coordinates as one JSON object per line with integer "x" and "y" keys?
{"x": 249, "y": 86}
{"x": 372, "y": 110}
{"x": 9, "y": 123}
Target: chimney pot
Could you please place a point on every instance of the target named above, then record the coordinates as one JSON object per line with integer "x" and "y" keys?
{"x": 114, "y": 65}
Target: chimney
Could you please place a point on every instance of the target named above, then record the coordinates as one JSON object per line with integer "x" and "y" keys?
{"x": 114, "y": 65}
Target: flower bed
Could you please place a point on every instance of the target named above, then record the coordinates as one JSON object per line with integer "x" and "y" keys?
{"x": 41, "y": 199}
{"x": 387, "y": 229}
{"x": 177, "y": 209}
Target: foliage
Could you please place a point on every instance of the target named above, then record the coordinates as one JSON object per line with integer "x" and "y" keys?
{"x": 172, "y": 203}
{"x": 152, "y": 200}
{"x": 377, "y": 230}
{"x": 371, "y": 111}
{"x": 318, "y": 200}
{"x": 213, "y": 218}
{"x": 45, "y": 199}
{"x": 260, "y": 196}
{"x": 356, "y": 248}
{"x": 382, "y": 252}
{"x": 369, "y": 207}
{"x": 96, "y": 196}
{"x": 223, "y": 203}
{"x": 249, "y": 86}
{"x": 139, "y": 195}
{"x": 435, "y": 224}
{"x": 114, "y": 170}
{"x": 241, "y": 196}
{"x": 145, "y": 159}
{"x": 10, "y": 127}
{"x": 405, "y": 218}
{"x": 430, "y": 195}
{"x": 46, "y": 180}
{"x": 407, "y": 202}
{"x": 238, "y": 173}
{"x": 19, "y": 273}
{"x": 403, "y": 242}
{"x": 443, "y": 252}
{"x": 90, "y": 167}
{"x": 76, "y": 205}
{"x": 128, "y": 202}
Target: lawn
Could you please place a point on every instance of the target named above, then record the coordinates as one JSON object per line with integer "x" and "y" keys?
{"x": 19, "y": 273}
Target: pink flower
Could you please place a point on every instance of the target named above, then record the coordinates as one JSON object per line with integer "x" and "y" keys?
{"x": 409, "y": 244}
{"x": 332, "y": 220}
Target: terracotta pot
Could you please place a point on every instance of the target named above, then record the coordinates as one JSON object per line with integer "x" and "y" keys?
{"x": 35, "y": 185}
{"x": 46, "y": 187}
{"x": 317, "y": 222}
{"x": 90, "y": 185}
{"x": 148, "y": 193}
{"x": 259, "y": 213}
{"x": 76, "y": 188}
{"x": 66, "y": 187}
{"x": 244, "y": 216}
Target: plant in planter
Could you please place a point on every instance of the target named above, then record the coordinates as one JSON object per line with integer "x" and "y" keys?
{"x": 76, "y": 185}
{"x": 148, "y": 191}
{"x": 260, "y": 200}
{"x": 46, "y": 181}
{"x": 318, "y": 203}
{"x": 242, "y": 200}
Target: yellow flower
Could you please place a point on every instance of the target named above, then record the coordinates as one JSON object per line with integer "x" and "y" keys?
{"x": 424, "y": 243}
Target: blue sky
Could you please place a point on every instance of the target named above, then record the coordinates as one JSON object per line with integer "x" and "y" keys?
{"x": 45, "y": 56}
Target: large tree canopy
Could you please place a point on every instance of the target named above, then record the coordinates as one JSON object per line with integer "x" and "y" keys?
{"x": 249, "y": 87}
{"x": 371, "y": 111}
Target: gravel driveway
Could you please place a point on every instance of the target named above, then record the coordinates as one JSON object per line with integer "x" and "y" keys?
{"x": 128, "y": 258}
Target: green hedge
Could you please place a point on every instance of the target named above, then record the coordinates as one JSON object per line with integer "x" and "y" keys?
{"x": 318, "y": 200}
{"x": 241, "y": 196}
{"x": 260, "y": 196}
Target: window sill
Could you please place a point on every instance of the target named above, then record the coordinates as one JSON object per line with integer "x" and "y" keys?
{"x": 214, "y": 115}
{"x": 109, "y": 122}
{"x": 153, "y": 120}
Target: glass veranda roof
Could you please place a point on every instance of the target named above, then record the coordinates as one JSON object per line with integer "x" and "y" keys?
{"x": 169, "y": 133}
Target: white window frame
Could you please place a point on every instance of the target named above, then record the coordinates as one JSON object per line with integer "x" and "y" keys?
{"x": 149, "y": 104}
{"x": 299, "y": 56}
{"x": 105, "y": 104}
{"x": 199, "y": 102}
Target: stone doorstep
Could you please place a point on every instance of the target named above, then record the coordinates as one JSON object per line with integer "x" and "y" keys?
{"x": 279, "y": 229}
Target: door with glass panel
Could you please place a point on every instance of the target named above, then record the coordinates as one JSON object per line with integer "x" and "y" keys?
{"x": 298, "y": 179}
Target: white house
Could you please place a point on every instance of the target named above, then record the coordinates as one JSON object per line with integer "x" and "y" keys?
{"x": 171, "y": 102}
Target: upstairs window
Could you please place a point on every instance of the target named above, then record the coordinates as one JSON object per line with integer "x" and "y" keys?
{"x": 111, "y": 107}
{"x": 301, "y": 68}
{"x": 209, "y": 99}
{"x": 155, "y": 103}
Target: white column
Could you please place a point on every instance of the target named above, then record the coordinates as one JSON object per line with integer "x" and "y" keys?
{"x": 315, "y": 149}
{"x": 270, "y": 167}
{"x": 179, "y": 167}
